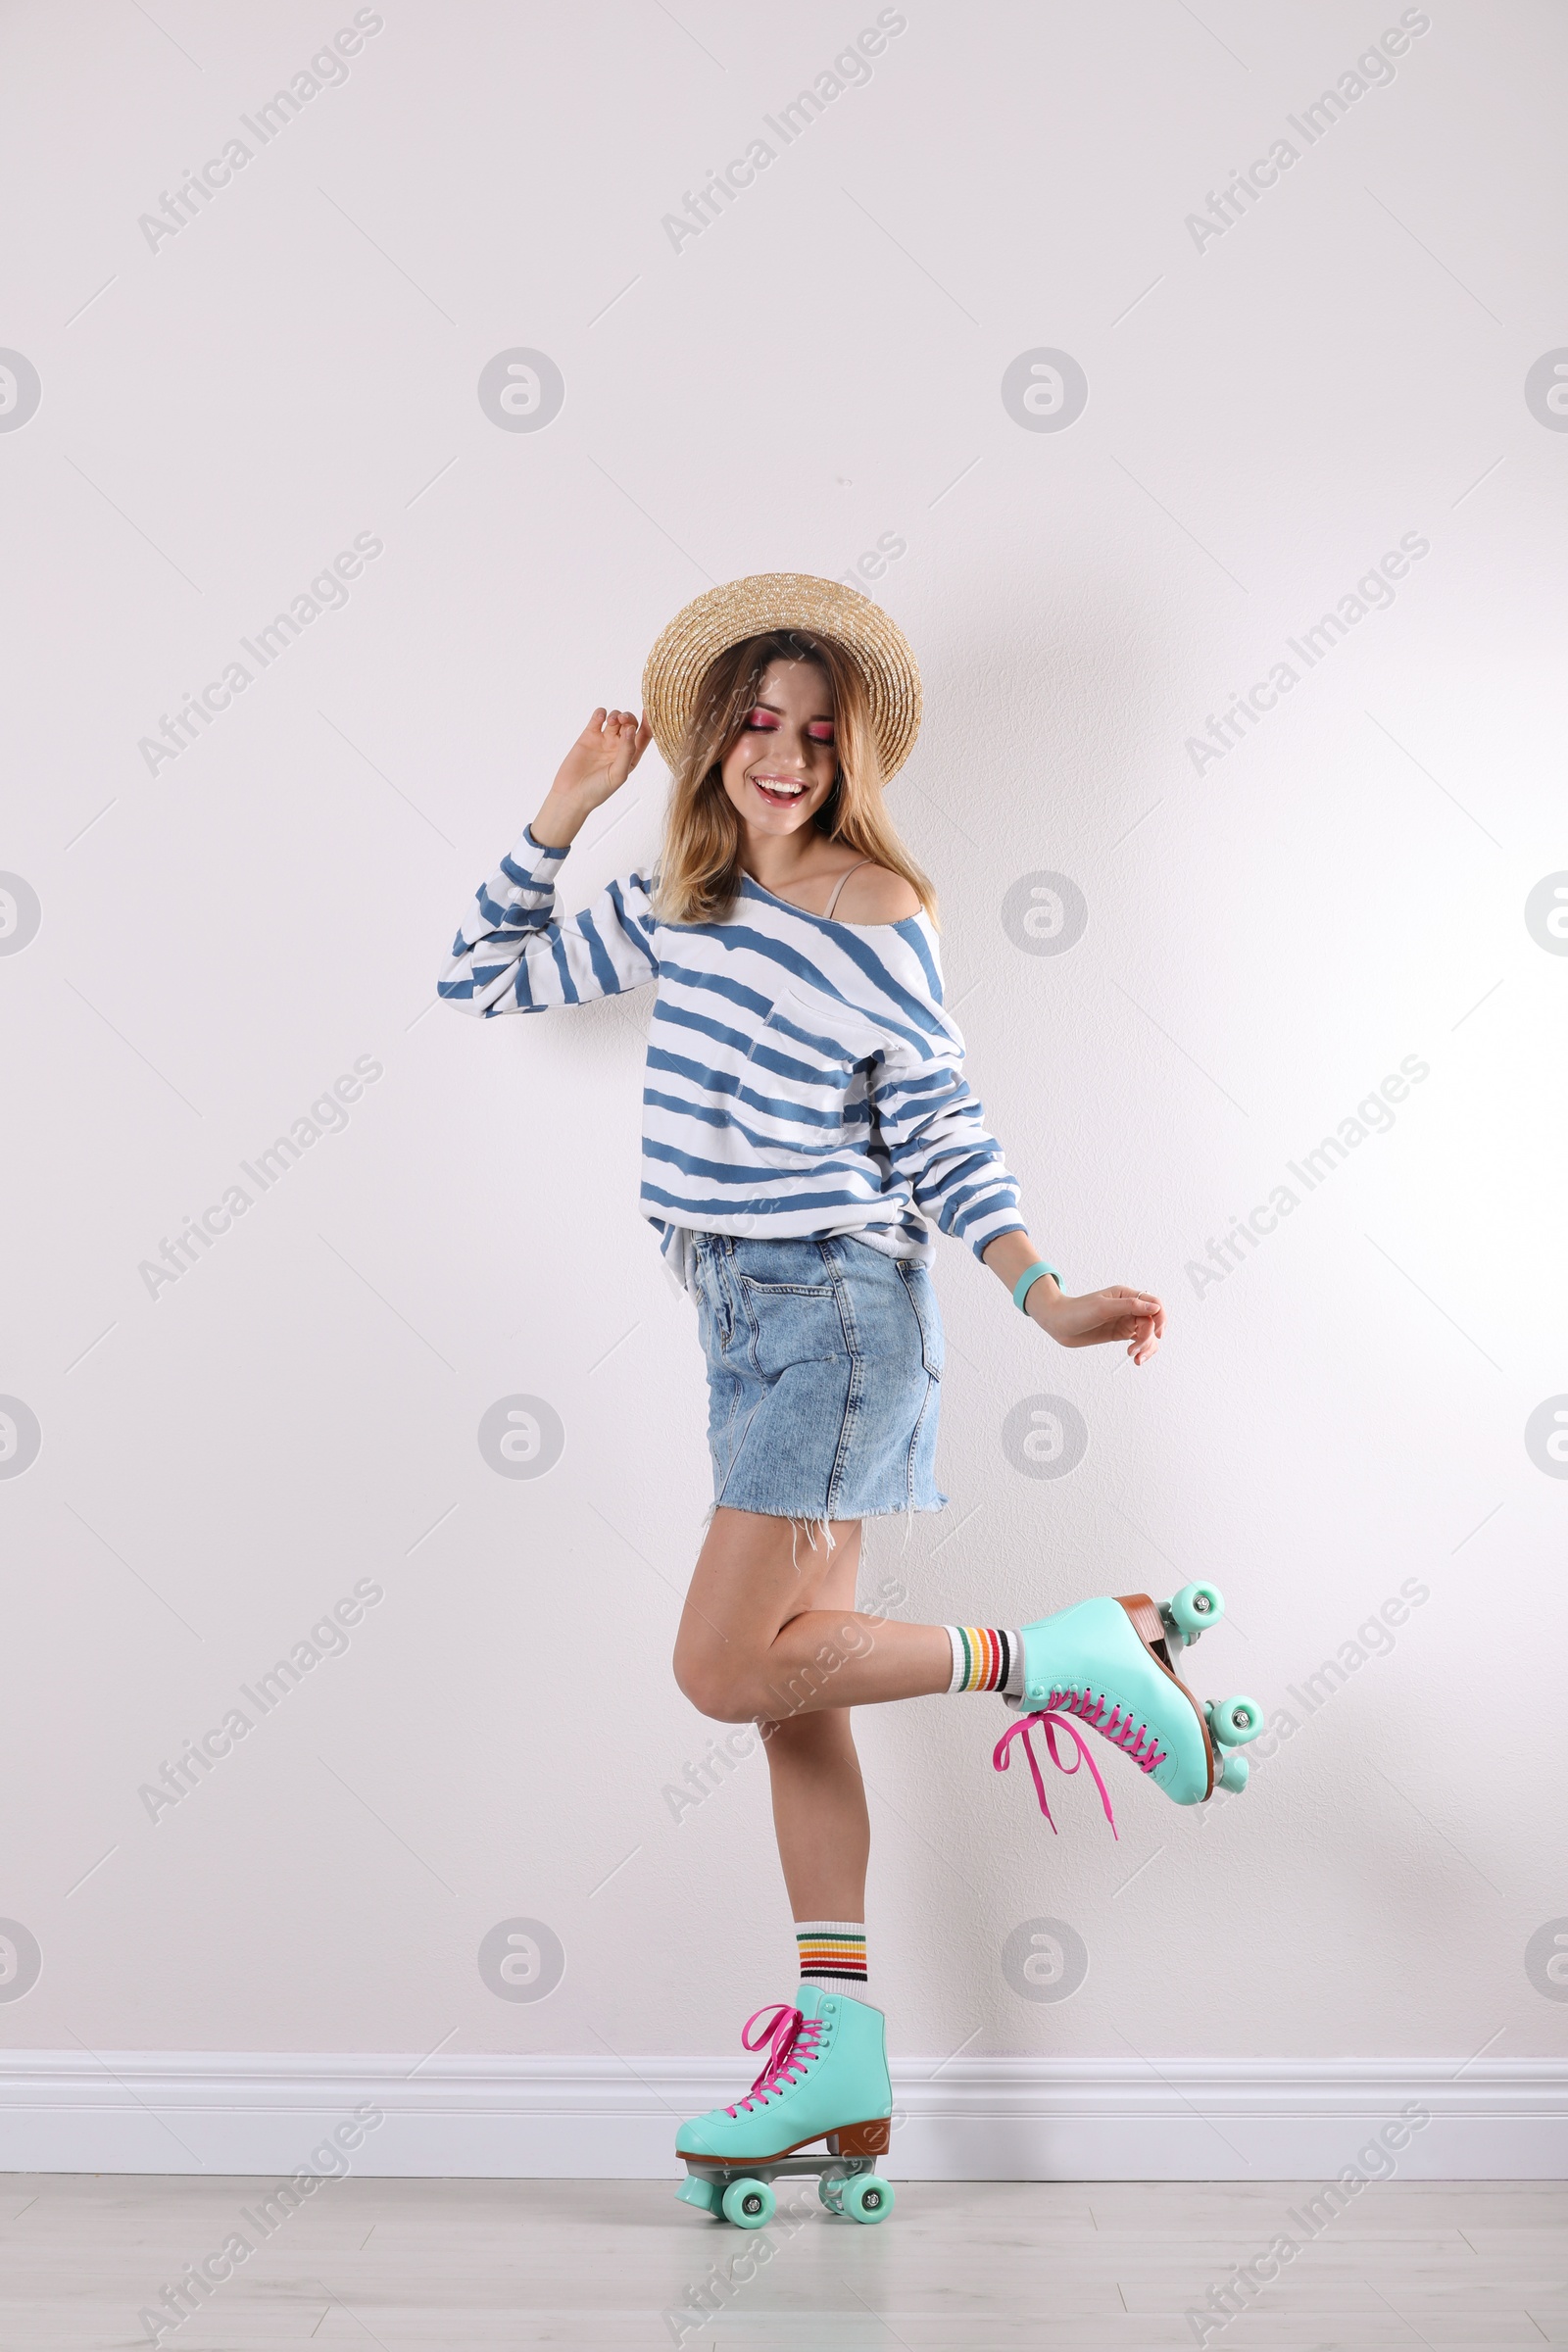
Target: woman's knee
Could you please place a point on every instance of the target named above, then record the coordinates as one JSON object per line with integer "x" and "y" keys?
{"x": 712, "y": 1685}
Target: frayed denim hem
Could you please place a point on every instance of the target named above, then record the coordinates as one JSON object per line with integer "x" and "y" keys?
{"x": 810, "y": 1522}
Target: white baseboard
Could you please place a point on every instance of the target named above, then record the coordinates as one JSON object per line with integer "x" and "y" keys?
{"x": 1025, "y": 2119}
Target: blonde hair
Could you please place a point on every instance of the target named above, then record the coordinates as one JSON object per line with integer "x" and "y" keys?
{"x": 698, "y": 872}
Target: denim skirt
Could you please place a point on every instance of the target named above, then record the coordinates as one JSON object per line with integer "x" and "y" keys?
{"x": 824, "y": 1377}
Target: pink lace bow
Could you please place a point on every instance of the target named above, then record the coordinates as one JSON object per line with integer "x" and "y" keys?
{"x": 1021, "y": 1730}
{"x": 791, "y": 2039}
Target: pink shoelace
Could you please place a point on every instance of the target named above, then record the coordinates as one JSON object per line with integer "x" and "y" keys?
{"x": 791, "y": 2040}
{"x": 1134, "y": 1740}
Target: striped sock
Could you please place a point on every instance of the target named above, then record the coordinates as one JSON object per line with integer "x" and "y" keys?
{"x": 986, "y": 1658}
{"x": 832, "y": 1953}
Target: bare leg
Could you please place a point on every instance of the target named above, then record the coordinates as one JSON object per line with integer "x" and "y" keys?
{"x": 819, "y": 1815}
{"x": 762, "y": 1637}
{"x": 770, "y": 1634}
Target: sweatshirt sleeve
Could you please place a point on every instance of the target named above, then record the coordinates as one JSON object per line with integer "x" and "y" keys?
{"x": 514, "y": 956}
{"x": 932, "y": 1127}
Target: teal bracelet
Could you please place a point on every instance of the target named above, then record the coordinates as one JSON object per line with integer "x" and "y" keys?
{"x": 1030, "y": 1275}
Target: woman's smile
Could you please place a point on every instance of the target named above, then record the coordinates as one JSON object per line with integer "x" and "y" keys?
{"x": 779, "y": 792}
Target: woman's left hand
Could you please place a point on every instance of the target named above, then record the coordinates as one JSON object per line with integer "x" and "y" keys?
{"x": 1119, "y": 1313}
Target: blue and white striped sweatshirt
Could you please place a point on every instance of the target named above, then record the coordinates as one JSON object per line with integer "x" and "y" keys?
{"x": 803, "y": 1076}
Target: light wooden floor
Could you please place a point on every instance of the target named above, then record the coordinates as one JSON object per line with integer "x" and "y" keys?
{"x": 445, "y": 2266}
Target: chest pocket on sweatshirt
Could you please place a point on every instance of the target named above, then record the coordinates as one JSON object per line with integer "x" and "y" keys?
{"x": 834, "y": 1044}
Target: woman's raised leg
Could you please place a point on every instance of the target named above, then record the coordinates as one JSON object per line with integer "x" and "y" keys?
{"x": 770, "y": 1630}
{"x": 764, "y": 1577}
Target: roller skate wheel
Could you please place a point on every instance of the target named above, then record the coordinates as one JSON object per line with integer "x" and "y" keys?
{"x": 1233, "y": 1722}
{"x": 748, "y": 2204}
{"x": 1234, "y": 1768}
{"x": 1195, "y": 1608}
{"x": 830, "y": 2192}
{"x": 867, "y": 2198}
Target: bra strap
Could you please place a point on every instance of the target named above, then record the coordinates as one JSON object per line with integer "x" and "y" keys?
{"x": 843, "y": 878}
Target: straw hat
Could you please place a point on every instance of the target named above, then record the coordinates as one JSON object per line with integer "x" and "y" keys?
{"x": 784, "y": 600}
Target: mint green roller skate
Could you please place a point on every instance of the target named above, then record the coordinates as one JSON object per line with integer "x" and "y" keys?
{"x": 1111, "y": 1664}
{"x": 826, "y": 2076}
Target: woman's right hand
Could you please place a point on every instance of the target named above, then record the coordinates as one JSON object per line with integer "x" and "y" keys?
{"x": 597, "y": 765}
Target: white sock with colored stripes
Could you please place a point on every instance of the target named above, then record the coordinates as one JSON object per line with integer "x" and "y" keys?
{"x": 986, "y": 1658}
{"x": 833, "y": 1953}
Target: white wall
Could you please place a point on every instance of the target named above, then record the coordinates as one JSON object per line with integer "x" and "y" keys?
{"x": 1266, "y": 939}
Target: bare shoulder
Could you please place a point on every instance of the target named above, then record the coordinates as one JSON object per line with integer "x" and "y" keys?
{"x": 875, "y": 895}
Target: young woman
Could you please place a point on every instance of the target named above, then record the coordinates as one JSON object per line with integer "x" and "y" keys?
{"x": 805, "y": 1112}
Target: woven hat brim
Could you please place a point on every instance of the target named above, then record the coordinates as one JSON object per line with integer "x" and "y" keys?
{"x": 784, "y": 600}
